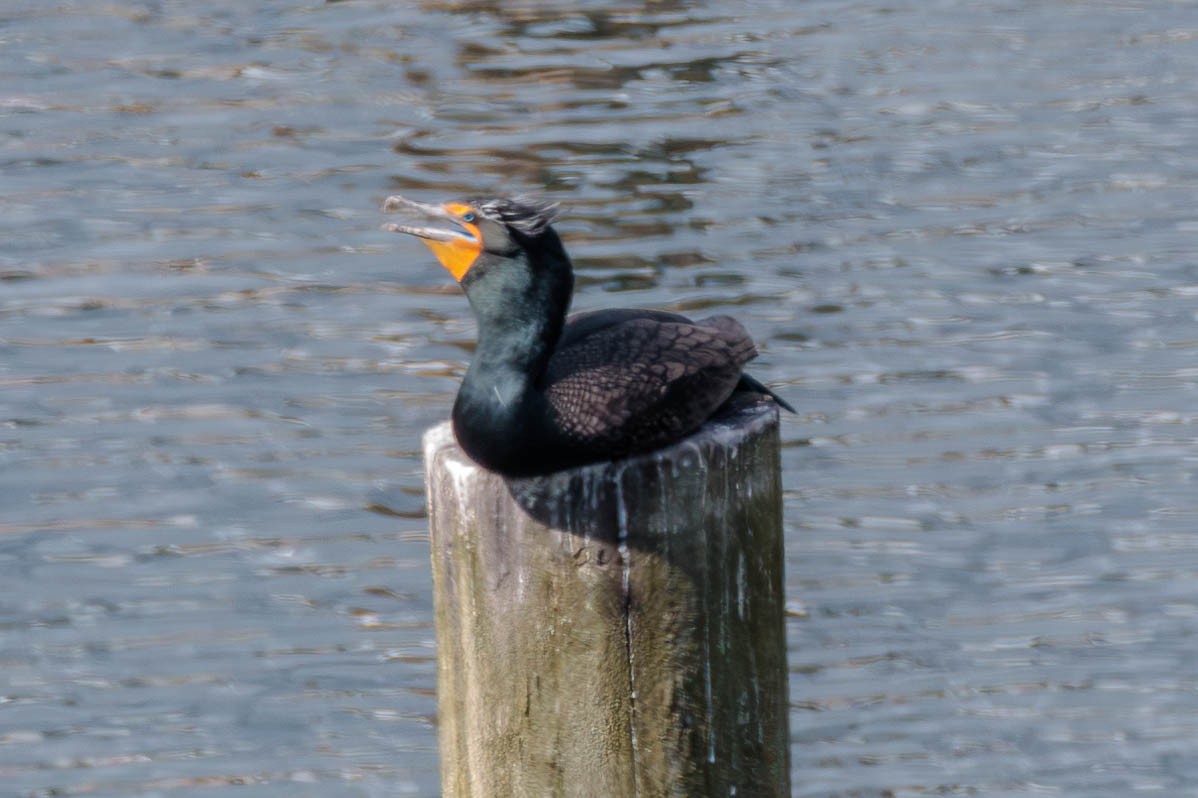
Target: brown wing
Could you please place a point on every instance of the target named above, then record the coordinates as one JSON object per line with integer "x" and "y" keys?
{"x": 642, "y": 381}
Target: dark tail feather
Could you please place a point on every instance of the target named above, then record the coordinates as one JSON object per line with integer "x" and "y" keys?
{"x": 747, "y": 383}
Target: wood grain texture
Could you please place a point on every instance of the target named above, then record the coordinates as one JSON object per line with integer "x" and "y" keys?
{"x": 614, "y": 630}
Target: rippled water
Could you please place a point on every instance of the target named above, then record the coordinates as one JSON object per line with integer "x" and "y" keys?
{"x": 962, "y": 234}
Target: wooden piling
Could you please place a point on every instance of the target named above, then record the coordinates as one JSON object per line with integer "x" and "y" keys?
{"x": 614, "y": 630}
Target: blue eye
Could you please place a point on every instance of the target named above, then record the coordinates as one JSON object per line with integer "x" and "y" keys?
{"x": 468, "y": 217}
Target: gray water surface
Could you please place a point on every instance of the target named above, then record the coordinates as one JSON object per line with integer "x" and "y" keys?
{"x": 961, "y": 233}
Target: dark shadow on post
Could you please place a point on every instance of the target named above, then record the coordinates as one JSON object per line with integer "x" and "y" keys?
{"x": 617, "y": 629}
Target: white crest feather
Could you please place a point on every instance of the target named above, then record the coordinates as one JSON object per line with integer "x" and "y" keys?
{"x": 525, "y": 214}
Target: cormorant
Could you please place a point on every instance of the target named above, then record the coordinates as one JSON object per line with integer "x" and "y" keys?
{"x": 544, "y": 392}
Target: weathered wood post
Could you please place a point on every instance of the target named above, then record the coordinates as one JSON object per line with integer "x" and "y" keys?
{"x": 614, "y": 630}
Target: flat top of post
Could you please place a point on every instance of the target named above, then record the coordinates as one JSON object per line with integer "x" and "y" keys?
{"x": 742, "y": 418}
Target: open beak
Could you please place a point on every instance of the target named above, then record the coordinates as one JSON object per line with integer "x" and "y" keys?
{"x": 457, "y": 245}
{"x": 398, "y": 203}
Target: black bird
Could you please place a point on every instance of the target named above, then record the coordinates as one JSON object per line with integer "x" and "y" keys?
{"x": 545, "y": 393}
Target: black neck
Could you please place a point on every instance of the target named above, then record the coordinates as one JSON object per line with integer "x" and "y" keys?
{"x": 521, "y": 303}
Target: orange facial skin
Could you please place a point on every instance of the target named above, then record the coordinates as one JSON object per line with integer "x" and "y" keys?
{"x": 458, "y": 254}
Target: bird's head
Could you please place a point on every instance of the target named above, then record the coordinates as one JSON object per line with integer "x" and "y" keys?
{"x": 467, "y": 235}
{"x": 507, "y": 258}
